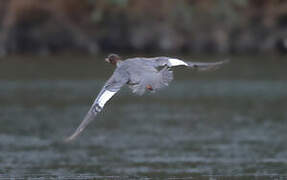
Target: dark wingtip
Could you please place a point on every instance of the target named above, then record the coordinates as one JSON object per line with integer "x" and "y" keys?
{"x": 223, "y": 61}
{"x": 88, "y": 118}
{"x": 69, "y": 139}
{"x": 74, "y": 135}
{"x": 226, "y": 61}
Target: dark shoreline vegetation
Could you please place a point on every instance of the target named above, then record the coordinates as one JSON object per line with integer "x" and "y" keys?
{"x": 183, "y": 26}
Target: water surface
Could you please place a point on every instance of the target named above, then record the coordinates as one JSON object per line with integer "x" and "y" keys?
{"x": 229, "y": 123}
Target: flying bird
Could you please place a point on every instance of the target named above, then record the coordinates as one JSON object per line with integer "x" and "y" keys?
{"x": 140, "y": 74}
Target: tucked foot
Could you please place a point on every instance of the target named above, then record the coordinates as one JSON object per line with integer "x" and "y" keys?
{"x": 149, "y": 87}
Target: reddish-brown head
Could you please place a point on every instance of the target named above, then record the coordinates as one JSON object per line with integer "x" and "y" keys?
{"x": 113, "y": 59}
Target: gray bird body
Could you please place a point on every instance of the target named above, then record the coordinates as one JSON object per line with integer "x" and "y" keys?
{"x": 138, "y": 74}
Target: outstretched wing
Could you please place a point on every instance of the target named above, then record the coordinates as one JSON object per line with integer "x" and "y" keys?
{"x": 201, "y": 66}
{"x": 172, "y": 62}
{"x": 111, "y": 87}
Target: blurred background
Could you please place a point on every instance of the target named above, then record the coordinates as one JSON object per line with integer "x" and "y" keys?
{"x": 184, "y": 26}
{"x": 228, "y": 123}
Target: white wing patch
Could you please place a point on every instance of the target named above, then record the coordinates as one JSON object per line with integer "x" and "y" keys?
{"x": 176, "y": 62}
{"x": 105, "y": 96}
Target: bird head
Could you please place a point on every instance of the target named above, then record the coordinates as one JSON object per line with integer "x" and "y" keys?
{"x": 113, "y": 59}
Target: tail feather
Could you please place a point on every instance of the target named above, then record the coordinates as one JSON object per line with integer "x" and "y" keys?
{"x": 156, "y": 80}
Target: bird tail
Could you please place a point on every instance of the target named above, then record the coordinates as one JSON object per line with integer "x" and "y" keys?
{"x": 154, "y": 80}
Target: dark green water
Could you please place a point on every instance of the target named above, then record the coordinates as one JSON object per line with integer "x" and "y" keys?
{"x": 230, "y": 123}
